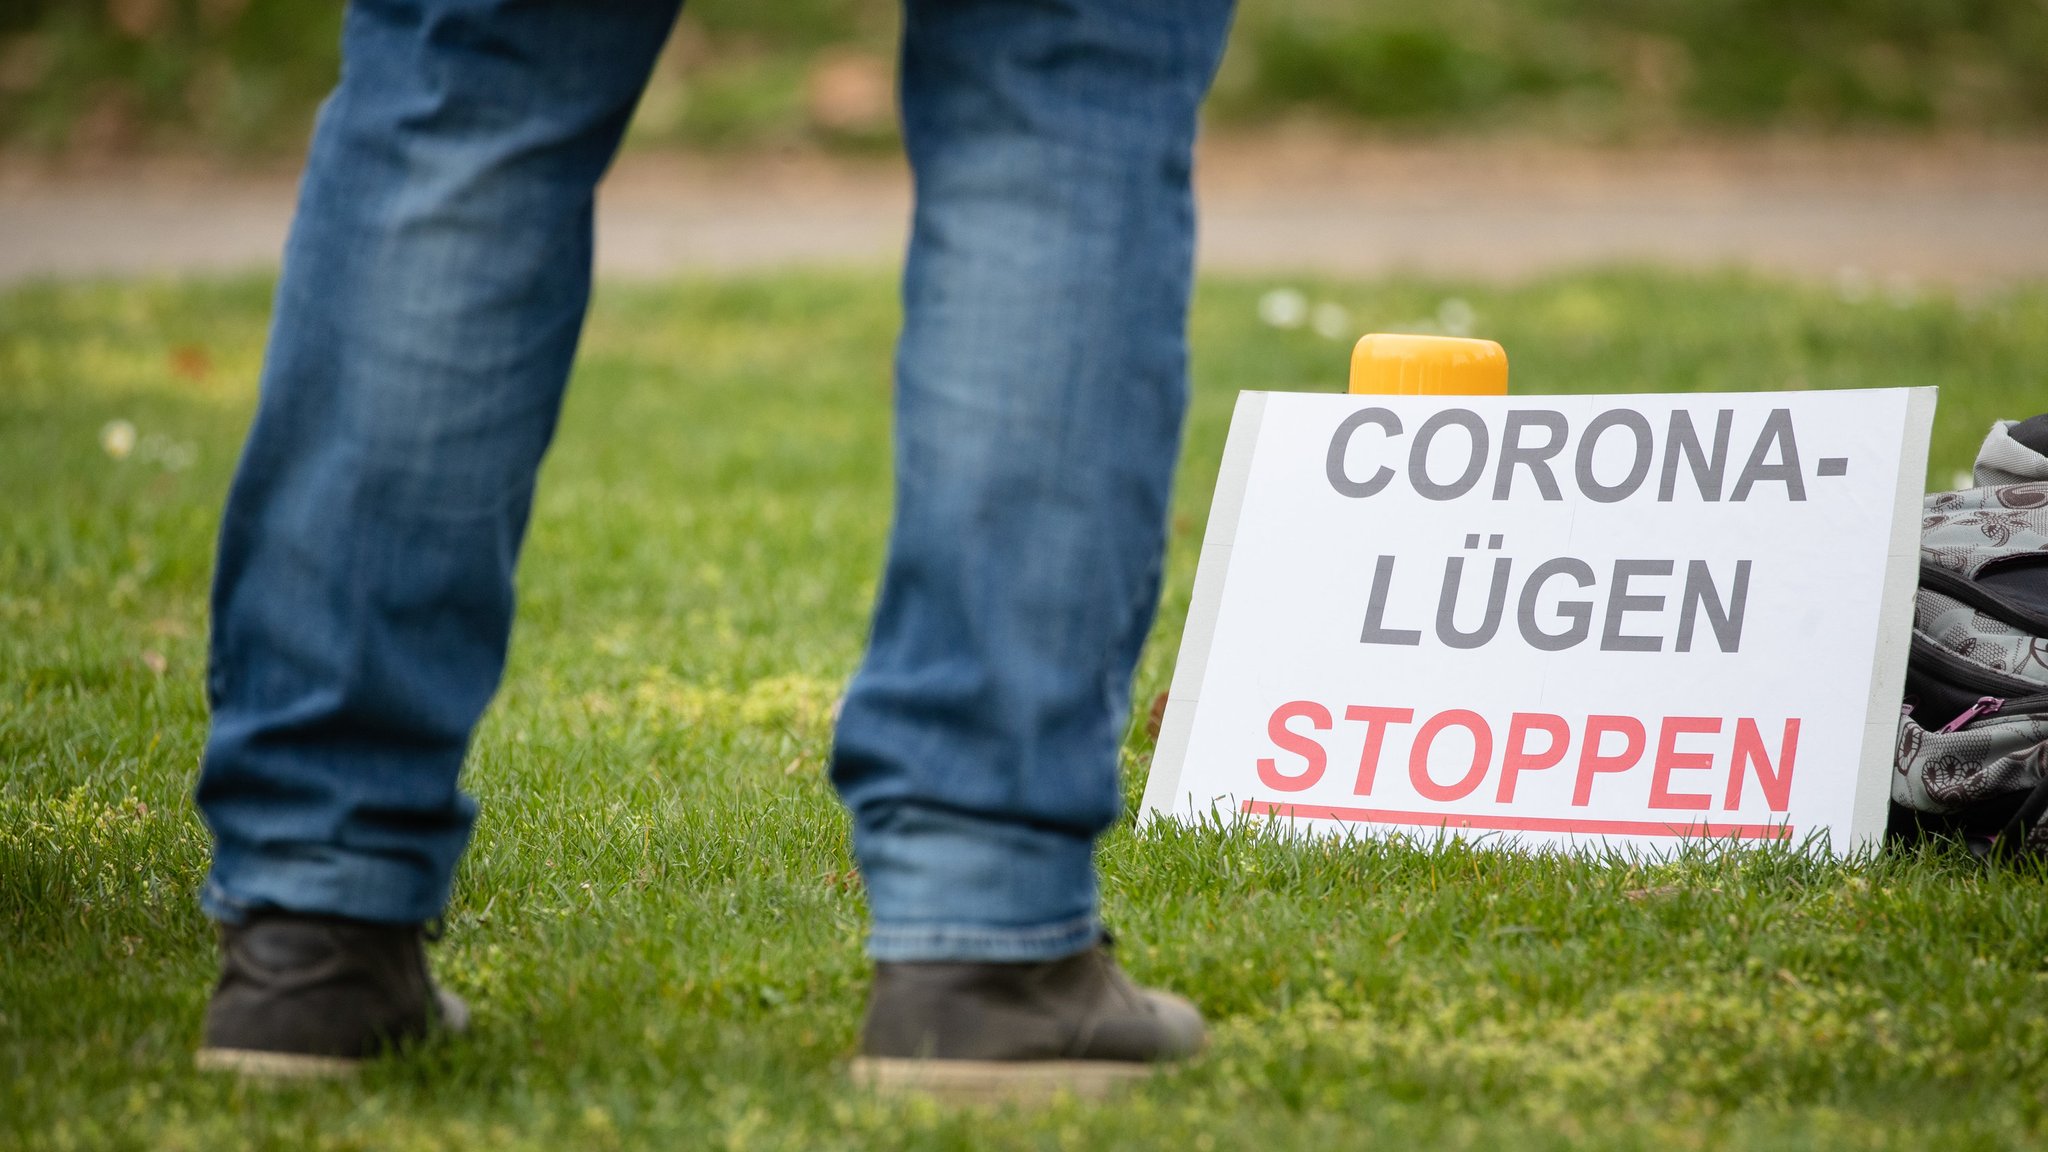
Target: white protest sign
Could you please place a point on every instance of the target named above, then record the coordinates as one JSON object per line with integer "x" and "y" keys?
{"x": 1557, "y": 620}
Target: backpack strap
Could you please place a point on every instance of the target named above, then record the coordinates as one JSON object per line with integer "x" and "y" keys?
{"x": 1956, "y": 586}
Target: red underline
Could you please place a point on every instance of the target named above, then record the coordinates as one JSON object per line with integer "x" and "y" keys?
{"x": 1519, "y": 823}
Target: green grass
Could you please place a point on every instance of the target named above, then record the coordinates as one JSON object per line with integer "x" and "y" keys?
{"x": 657, "y": 925}
{"x": 243, "y": 76}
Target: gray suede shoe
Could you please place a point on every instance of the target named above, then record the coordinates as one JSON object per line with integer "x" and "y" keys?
{"x": 307, "y": 997}
{"x": 973, "y": 1032}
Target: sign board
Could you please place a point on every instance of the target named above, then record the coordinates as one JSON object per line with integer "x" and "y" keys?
{"x": 1553, "y": 621}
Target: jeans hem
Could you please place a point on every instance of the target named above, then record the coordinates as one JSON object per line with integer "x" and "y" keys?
{"x": 375, "y": 893}
{"x": 982, "y": 942}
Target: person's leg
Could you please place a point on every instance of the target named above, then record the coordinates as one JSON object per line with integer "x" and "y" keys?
{"x": 432, "y": 293}
{"x": 1041, "y": 381}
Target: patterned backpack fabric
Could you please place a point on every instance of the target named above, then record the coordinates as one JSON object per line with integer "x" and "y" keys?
{"x": 1973, "y": 738}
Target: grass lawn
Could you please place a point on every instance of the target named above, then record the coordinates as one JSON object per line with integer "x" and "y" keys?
{"x": 657, "y": 925}
{"x": 243, "y": 76}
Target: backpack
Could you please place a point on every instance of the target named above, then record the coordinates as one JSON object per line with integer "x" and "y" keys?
{"x": 1972, "y": 757}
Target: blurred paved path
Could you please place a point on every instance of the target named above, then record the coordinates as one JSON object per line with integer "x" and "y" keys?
{"x": 1969, "y": 214}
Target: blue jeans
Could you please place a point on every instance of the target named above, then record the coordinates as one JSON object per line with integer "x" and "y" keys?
{"x": 433, "y": 290}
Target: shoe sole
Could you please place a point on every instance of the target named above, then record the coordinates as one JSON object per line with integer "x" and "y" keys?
{"x": 256, "y": 1064}
{"x": 996, "y": 1081}
{"x": 259, "y": 1064}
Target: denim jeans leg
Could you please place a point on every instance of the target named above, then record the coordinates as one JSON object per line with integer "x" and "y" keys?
{"x": 433, "y": 289}
{"x": 1040, "y": 387}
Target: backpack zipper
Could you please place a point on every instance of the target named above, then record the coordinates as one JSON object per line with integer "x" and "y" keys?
{"x": 2020, "y": 696}
{"x": 1985, "y": 706}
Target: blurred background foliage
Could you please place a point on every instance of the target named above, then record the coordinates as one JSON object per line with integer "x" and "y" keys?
{"x": 241, "y": 77}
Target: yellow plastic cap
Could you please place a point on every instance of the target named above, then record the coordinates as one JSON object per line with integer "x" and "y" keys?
{"x": 1391, "y": 364}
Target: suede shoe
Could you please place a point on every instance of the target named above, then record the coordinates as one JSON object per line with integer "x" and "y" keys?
{"x": 312, "y": 996}
{"x": 990, "y": 1032}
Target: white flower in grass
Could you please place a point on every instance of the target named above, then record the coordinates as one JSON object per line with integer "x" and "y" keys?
{"x": 117, "y": 439}
{"x": 1283, "y": 308}
{"x": 1456, "y": 316}
{"x": 1331, "y": 321}
{"x": 168, "y": 454}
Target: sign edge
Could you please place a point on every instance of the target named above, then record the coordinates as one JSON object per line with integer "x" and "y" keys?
{"x": 1870, "y": 810}
{"x": 1205, "y": 601}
